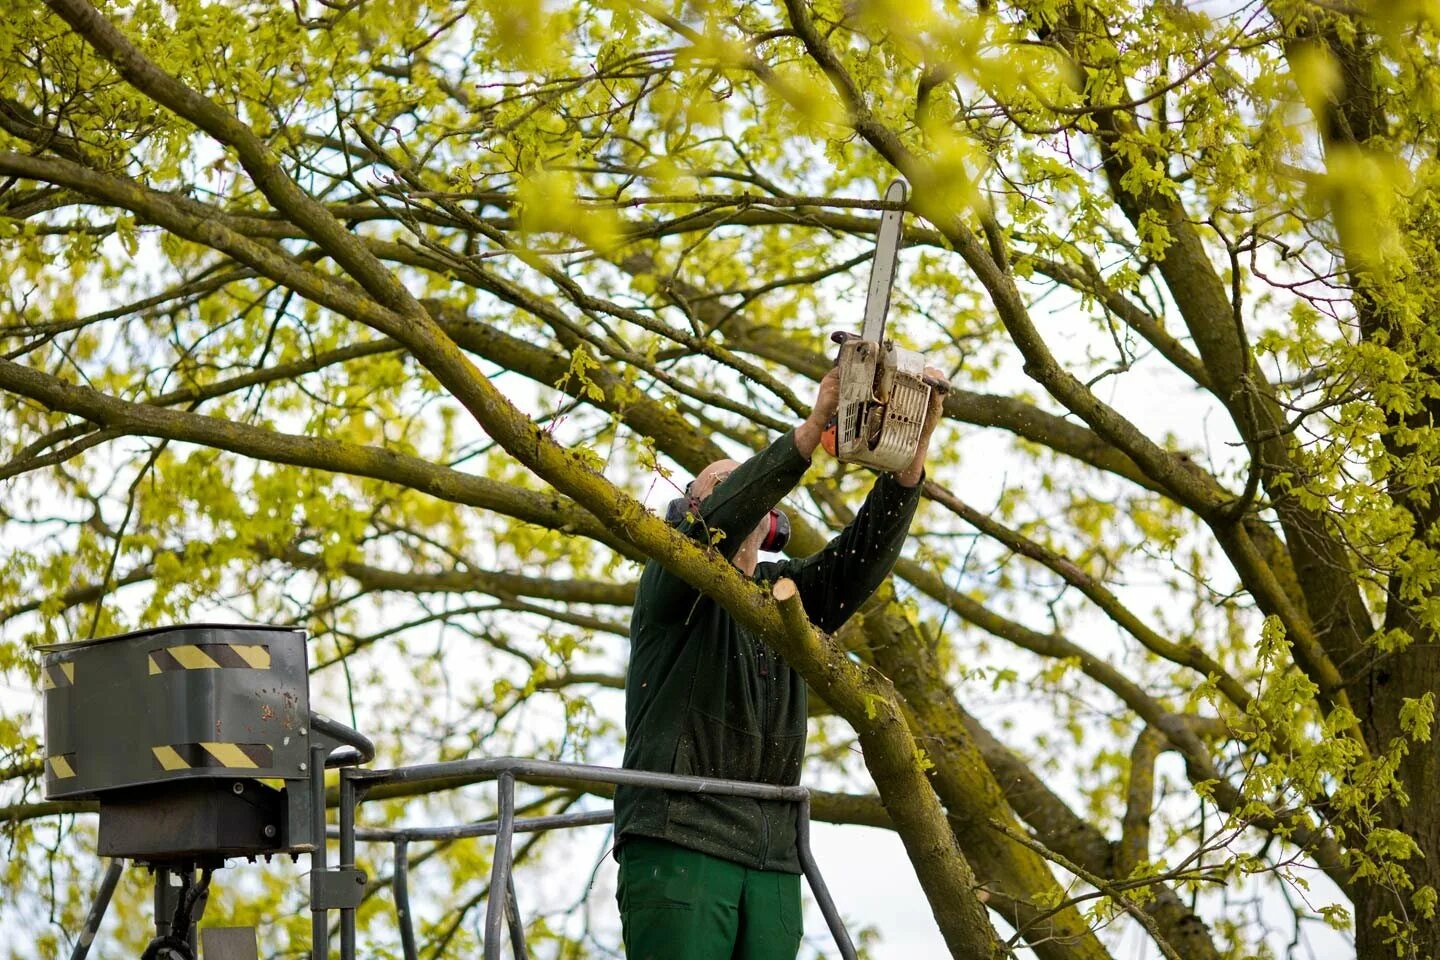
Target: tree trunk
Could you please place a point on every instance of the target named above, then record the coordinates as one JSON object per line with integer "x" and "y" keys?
{"x": 1379, "y": 907}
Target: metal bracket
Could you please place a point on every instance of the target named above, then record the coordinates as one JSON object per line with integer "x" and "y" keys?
{"x": 338, "y": 889}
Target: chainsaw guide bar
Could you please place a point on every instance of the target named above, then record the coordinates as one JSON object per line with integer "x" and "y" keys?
{"x": 882, "y": 268}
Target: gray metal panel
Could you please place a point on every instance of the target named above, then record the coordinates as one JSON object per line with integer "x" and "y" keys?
{"x": 138, "y": 703}
{"x": 194, "y": 818}
{"x": 228, "y": 943}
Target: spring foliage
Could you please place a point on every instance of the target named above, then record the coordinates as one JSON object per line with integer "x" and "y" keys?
{"x": 380, "y": 318}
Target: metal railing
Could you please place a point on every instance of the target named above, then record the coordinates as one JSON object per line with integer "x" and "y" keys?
{"x": 506, "y": 771}
{"x": 342, "y": 888}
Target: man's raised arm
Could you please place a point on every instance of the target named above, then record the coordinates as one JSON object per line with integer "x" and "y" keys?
{"x": 726, "y": 512}
{"x": 836, "y": 581}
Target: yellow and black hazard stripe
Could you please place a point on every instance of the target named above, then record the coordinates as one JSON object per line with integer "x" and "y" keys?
{"x": 233, "y": 756}
{"x": 210, "y": 656}
{"x": 61, "y": 766}
{"x": 60, "y": 674}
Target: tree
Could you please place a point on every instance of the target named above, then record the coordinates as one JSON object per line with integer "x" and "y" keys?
{"x": 350, "y": 314}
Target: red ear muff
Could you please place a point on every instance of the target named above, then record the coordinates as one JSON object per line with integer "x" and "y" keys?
{"x": 778, "y": 534}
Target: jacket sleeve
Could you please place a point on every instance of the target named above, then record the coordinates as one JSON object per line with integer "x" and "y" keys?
{"x": 725, "y": 519}
{"x": 836, "y": 581}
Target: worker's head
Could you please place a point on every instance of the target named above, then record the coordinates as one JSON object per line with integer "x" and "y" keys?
{"x": 708, "y": 479}
{"x": 770, "y": 534}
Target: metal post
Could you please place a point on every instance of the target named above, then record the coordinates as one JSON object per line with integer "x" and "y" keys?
{"x": 500, "y": 868}
{"x": 319, "y": 930}
{"x": 402, "y": 898}
{"x": 196, "y": 913}
{"x": 97, "y": 909}
{"x": 347, "y": 859}
{"x": 513, "y": 921}
{"x": 817, "y": 884}
{"x": 164, "y": 902}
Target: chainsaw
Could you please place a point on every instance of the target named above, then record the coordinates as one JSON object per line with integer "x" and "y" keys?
{"x": 884, "y": 390}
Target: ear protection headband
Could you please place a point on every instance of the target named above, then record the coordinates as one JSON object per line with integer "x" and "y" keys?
{"x": 776, "y": 536}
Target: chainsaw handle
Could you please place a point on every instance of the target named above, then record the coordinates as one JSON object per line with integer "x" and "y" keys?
{"x": 939, "y": 384}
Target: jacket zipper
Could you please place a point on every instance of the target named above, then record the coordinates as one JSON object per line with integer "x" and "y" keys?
{"x": 765, "y": 696}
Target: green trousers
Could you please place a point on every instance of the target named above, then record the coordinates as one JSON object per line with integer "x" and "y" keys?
{"x": 679, "y": 904}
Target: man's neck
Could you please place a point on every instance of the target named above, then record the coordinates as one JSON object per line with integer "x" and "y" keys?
{"x": 746, "y": 559}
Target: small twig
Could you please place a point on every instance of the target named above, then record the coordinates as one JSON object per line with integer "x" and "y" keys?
{"x": 1095, "y": 881}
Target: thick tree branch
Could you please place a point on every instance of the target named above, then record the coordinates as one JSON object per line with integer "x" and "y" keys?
{"x": 906, "y": 794}
{"x": 307, "y": 213}
{"x": 497, "y": 584}
{"x": 1010, "y": 873}
{"x": 1187, "y": 655}
{"x": 544, "y": 510}
{"x": 1087, "y": 280}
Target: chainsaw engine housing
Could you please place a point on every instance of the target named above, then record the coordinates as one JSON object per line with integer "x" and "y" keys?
{"x": 883, "y": 399}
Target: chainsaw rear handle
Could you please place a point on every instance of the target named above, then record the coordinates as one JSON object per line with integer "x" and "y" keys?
{"x": 939, "y": 384}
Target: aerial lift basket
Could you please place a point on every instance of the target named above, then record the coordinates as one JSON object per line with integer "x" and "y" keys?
{"x": 199, "y": 743}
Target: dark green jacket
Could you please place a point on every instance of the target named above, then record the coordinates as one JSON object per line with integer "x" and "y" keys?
{"x": 706, "y": 698}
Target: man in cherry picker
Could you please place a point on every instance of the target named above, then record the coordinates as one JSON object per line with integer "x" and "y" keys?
{"x": 705, "y": 877}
